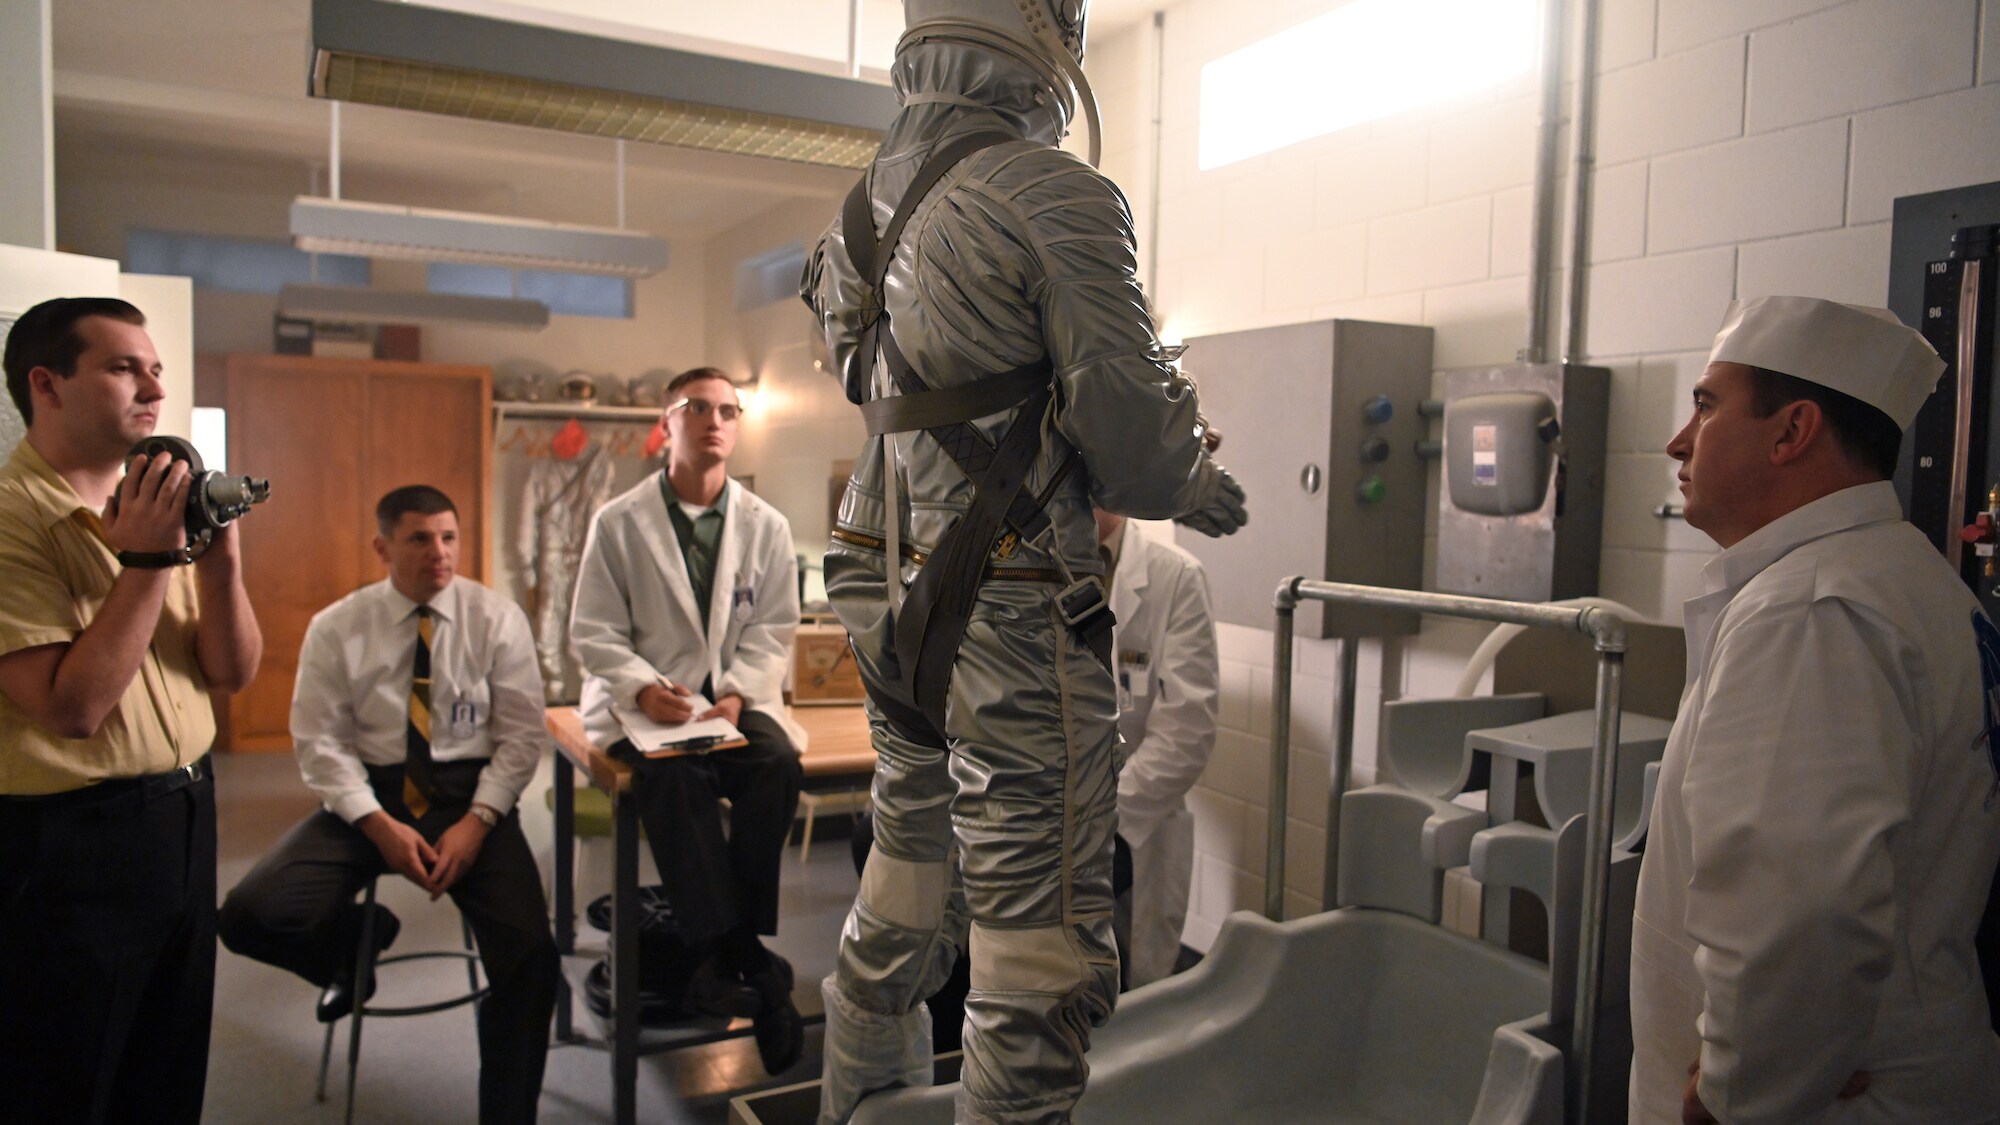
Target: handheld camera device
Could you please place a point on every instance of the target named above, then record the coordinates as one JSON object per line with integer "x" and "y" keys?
{"x": 214, "y": 500}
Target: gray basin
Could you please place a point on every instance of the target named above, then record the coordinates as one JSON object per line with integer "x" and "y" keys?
{"x": 1355, "y": 1015}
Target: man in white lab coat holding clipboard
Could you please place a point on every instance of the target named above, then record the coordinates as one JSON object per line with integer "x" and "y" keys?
{"x": 688, "y": 593}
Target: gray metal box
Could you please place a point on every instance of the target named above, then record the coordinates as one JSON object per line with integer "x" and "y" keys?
{"x": 1550, "y": 551}
{"x": 1320, "y": 425}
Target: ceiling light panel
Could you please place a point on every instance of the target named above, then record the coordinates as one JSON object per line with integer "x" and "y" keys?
{"x": 409, "y": 57}
{"x": 381, "y": 230}
{"x": 393, "y": 306}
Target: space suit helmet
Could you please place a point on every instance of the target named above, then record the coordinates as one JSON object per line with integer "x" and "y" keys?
{"x": 1044, "y": 34}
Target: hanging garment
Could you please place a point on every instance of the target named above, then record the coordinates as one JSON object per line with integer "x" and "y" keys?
{"x": 557, "y": 502}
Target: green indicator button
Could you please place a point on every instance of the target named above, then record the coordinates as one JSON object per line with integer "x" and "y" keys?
{"x": 1371, "y": 490}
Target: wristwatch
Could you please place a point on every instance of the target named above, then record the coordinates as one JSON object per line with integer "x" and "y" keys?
{"x": 486, "y": 816}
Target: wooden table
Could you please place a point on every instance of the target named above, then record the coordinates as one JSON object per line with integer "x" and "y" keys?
{"x": 837, "y": 744}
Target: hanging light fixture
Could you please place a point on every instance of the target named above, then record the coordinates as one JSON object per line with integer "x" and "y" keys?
{"x": 355, "y": 304}
{"x": 382, "y": 230}
{"x": 406, "y": 56}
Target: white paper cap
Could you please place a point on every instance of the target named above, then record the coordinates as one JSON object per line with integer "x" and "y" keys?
{"x": 1862, "y": 352}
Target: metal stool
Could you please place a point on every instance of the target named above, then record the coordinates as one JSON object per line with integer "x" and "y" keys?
{"x": 365, "y": 964}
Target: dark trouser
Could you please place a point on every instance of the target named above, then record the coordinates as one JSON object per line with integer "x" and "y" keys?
{"x": 107, "y": 954}
{"x": 297, "y": 910}
{"x": 718, "y": 883}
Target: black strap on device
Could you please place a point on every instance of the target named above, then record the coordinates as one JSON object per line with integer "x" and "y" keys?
{"x": 940, "y": 600}
{"x": 155, "y": 560}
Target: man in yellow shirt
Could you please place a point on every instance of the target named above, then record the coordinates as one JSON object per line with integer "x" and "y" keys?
{"x": 107, "y": 810}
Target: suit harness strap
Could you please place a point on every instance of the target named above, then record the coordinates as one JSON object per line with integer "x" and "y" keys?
{"x": 938, "y": 607}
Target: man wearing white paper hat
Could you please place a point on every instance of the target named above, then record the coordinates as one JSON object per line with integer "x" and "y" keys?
{"x": 1828, "y": 814}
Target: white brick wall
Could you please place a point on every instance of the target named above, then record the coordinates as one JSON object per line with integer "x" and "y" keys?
{"x": 1769, "y": 184}
{"x": 1686, "y": 23}
{"x": 1670, "y": 104}
{"x": 1843, "y": 264}
{"x": 1854, "y": 57}
{"x": 1745, "y": 147}
{"x": 1928, "y": 145}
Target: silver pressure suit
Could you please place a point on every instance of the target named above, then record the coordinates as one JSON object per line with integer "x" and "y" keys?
{"x": 1004, "y": 818}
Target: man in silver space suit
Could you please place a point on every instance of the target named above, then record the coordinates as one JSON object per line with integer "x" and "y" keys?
{"x": 979, "y": 297}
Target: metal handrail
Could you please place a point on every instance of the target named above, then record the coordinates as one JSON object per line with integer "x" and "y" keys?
{"x": 1606, "y": 630}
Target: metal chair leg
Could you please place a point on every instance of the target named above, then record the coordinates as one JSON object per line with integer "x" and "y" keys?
{"x": 325, "y": 1057}
{"x": 364, "y": 976}
{"x": 471, "y": 966}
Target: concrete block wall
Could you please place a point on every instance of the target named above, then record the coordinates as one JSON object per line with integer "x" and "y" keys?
{"x": 1746, "y": 147}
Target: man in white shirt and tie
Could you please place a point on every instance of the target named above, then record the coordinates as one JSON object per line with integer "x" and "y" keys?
{"x": 417, "y": 719}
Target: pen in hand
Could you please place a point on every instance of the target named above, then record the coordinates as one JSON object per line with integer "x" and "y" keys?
{"x": 665, "y": 702}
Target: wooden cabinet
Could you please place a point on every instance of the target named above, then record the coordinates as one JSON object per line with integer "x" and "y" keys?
{"x": 334, "y": 435}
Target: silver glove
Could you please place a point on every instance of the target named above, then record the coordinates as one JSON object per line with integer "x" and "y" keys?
{"x": 1222, "y": 512}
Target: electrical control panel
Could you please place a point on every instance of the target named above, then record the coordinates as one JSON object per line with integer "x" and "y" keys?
{"x": 1521, "y": 507}
{"x": 1319, "y": 424}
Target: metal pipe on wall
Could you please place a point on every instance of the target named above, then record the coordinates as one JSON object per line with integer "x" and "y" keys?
{"x": 1596, "y": 871}
{"x": 854, "y": 39}
{"x": 1607, "y": 631}
{"x": 1541, "y": 243}
{"x": 1582, "y": 180}
{"x": 1159, "y": 133}
{"x": 1286, "y": 602}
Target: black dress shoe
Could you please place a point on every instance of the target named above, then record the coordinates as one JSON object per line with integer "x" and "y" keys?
{"x": 715, "y": 991}
{"x": 780, "y": 1032}
{"x": 336, "y": 1000}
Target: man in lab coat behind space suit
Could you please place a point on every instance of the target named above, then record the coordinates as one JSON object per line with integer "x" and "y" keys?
{"x": 1828, "y": 814}
{"x": 1165, "y": 666}
{"x": 689, "y": 588}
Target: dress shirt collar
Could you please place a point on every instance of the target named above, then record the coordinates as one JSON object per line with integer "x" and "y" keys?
{"x": 444, "y": 605}
{"x": 1860, "y": 506}
{"x": 673, "y": 499}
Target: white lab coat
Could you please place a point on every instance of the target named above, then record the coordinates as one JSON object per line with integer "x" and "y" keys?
{"x": 1165, "y": 662}
{"x": 635, "y": 618}
{"x": 1824, "y": 834}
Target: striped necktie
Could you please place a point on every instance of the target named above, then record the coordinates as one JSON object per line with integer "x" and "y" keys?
{"x": 418, "y": 785}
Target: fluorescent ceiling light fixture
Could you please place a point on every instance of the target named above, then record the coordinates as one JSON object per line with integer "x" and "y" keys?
{"x": 383, "y": 230}
{"x": 1365, "y": 60}
{"x": 410, "y": 57}
{"x": 395, "y": 306}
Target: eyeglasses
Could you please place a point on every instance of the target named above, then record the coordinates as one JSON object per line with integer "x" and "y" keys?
{"x": 699, "y": 408}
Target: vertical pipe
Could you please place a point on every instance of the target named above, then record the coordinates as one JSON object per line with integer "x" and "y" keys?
{"x": 1583, "y": 173}
{"x": 1542, "y": 239}
{"x": 1281, "y": 754}
{"x": 855, "y": 39}
{"x": 1159, "y": 133}
{"x": 1343, "y": 761}
{"x": 1596, "y": 871}
{"x": 618, "y": 152}
{"x": 333, "y": 155}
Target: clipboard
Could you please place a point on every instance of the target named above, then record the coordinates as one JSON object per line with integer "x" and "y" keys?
{"x": 662, "y": 740}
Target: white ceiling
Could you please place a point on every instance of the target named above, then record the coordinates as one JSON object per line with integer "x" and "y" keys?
{"x": 210, "y": 85}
